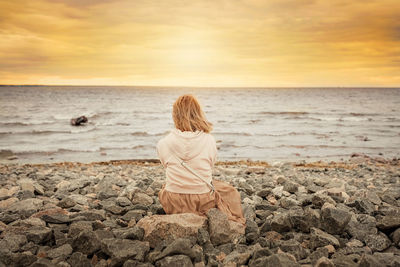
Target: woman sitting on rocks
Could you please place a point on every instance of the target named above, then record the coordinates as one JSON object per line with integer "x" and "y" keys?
{"x": 188, "y": 154}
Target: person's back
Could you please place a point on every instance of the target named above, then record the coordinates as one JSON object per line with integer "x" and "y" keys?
{"x": 188, "y": 154}
{"x": 197, "y": 149}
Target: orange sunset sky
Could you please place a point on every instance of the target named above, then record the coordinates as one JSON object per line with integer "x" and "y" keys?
{"x": 200, "y": 43}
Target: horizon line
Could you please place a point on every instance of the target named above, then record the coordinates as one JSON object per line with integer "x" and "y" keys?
{"x": 191, "y": 86}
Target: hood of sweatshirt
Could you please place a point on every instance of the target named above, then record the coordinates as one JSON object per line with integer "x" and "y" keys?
{"x": 187, "y": 145}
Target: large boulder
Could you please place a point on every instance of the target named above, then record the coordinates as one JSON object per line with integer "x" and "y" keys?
{"x": 170, "y": 227}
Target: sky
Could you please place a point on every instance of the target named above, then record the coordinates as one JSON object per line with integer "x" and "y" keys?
{"x": 200, "y": 43}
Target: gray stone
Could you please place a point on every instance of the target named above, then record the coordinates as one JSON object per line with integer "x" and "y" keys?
{"x": 60, "y": 252}
{"x": 141, "y": 198}
{"x": 43, "y": 262}
{"x": 177, "y": 260}
{"x": 368, "y": 261}
{"x": 378, "y": 242}
{"x": 324, "y": 262}
{"x": 135, "y": 233}
{"x": 39, "y": 234}
{"x": 179, "y": 246}
{"x": 90, "y": 215}
{"x": 294, "y": 248}
{"x": 238, "y": 258}
{"x": 133, "y": 214}
{"x": 281, "y": 223}
{"x": 79, "y": 226}
{"x": 218, "y": 227}
{"x": 79, "y": 259}
{"x": 361, "y": 225}
{"x": 319, "y": 253}
{"x": 121, "y": 250}
{"x": 13, "y": 242}
{"x": 334, "y": 220}
{"x": 319, "y": 239}
{"x": 26, "y": 208}
{"x": 290, "y": 187}
{"x": 66, "y": 203}
{"x": 275, "y": 260}
{"x": 86, "y": 242}
{"x": 388, "y": 222}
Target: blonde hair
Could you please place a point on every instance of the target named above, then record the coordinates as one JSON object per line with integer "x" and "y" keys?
{"x": 188, "y": 115}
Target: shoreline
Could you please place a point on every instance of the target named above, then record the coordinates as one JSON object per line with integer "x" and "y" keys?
{"x": 297, "y": 214}
{"x": 352, "y": 160}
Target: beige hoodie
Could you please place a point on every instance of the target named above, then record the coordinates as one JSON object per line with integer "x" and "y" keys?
{"x": 198, "y": 149}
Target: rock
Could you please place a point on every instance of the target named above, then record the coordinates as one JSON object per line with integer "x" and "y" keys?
{"x": 281, "y": 223}
{"x": 346, "y": 260}
{"x": 26, "y": 208}
{"x": 361, "y": 225}
{"x": 39, "y": 234}
{"x": 388, "y": 222}
{"x": 121, "y": 250}
{"x": 177, "y": 260}
{"x": 78, "y": 259}
{"x": 66, "y": 203}
{"x": 90, "y": 215}
{"x": 221, "y": 229}
{"x": 277, "y": 191}
{"x": 275, "y": 260}
{"x": 355, "y": 244}
{"x": 319, "y": 199}
{"x": 13, "y": 242}
{"x": 319, "y": 239}
{"x": 294, "y": 248}
{"x": 368, "y": 261}
{"x": 78, "y": 227}
{"x": 318, "y": 253}
{"x": 287, "y": 203}
{"x": 86, "y": 242}
{"x": 170, "y": 227}
{"x": 56, "y": 215}
{"x": 60, "y": 252}
{"x": 290, "y": 187}
{"x": 237, "y": 258}
{"x": 324, "y": 262}
{"x": 143, "y": 199}
{"x": 135, "y": 233}
{"x": 334, "y": 220}
{"x": 43, "y": 262}
{"x": 4, "y": 204}
{"x": 364, "y": 206}
{"x": 133, "y": 214}
{"x": 396, "y": 237}
{"x": 218, "y": 227}
{"x": 378, "y": 242}
{"x": 179, "y": 246}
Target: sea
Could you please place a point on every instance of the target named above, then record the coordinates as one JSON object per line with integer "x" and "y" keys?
{"x": 268, "y": 124}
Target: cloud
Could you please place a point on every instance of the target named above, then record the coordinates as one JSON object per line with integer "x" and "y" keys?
{"x": 220, "y": 42}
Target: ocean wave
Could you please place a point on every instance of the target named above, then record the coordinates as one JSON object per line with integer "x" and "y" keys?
{"x": 233, "y": 133}
{"x": 140, "y": 133}
{"x": 18, "y": 123}
{"x": 295, "y": 113}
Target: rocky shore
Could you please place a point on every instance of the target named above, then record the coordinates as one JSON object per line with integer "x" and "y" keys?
{"x": 108, "y": 214}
